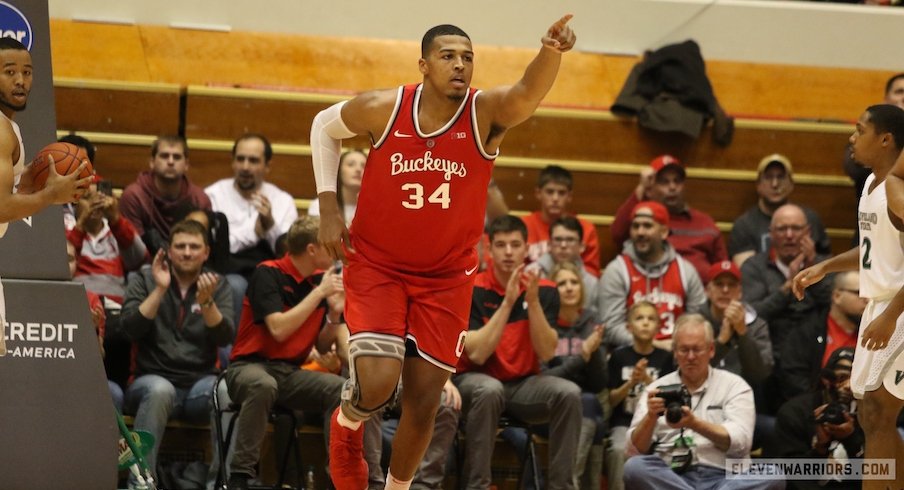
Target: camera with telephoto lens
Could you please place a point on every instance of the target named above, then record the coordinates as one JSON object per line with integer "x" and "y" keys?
{"x": 833, "y": 413}
{"x": 675, "y": 397}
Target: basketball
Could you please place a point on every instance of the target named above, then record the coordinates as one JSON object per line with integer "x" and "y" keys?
{"x": 66, "y": 157}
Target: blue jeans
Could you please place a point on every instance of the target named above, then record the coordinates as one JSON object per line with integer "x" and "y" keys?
{"x": 154, "y": 400}
{"x": 651, "y": 472}
{"x": 116, "y": 395}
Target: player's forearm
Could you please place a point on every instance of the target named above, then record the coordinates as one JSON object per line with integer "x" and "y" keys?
{"x": 525, "y": 96}
{"x": 18, "y": 206}
{"x": 847, "y": 261}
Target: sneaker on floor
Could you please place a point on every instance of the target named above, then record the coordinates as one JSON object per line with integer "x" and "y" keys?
{"x": 348, "y": 469}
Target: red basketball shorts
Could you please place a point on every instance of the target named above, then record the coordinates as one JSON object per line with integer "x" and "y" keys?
{"x": 432, "y": 311}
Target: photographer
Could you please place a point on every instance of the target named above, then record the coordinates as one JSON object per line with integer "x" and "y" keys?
{"x": 691, "y": 420}
{"x": 820, "y": 424}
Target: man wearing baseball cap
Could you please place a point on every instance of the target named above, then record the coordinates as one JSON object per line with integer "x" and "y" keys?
{"x": 694, "y": 233}
{"x": 821, "y": 424}
{"x": 648, "y": 269}
{"x": 742, "y": 337}
{"x": 750, "y": 232}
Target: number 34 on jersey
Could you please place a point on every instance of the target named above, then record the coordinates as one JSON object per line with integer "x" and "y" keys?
{"x": 439, "y": 196}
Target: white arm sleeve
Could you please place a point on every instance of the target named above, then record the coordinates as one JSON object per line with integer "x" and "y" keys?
{"x": 327, "y": 131}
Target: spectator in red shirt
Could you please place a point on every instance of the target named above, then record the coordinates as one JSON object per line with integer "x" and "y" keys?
{"x": 554, "y": 192}
{"x": 510, "y": 333}
{"x": 694, "y": 233}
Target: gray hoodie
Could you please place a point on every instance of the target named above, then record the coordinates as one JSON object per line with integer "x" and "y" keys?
{"x": 614, "y": 286}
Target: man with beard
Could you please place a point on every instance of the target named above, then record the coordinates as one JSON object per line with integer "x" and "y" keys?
{"x": 258, "y": 211}
{"x": 177, "y": 314}
{"x": 750, "y": 233}
{"x": 649, "y": 269}
{"x": 694, "y": 234}
{"x": 15, "y": 84}
{"x": 162, "y": 195}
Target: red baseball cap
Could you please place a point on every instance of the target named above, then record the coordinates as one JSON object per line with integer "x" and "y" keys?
{"x": 667, "y": 161}
{"x": 723, "y": 267}
{"x": 651, "y": 209}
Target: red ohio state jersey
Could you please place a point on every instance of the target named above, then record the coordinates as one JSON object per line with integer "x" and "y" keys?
{"x": 666, "y": 292}
{"x": 423, "y": 196}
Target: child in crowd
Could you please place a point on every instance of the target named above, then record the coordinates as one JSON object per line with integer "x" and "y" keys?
{"x": 631, "y": 369}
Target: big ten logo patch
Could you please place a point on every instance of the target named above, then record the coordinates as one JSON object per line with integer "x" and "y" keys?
{"x": 14, "y": 24}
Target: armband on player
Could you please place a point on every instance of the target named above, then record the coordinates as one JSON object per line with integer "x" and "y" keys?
{"x": 327, "y": 131}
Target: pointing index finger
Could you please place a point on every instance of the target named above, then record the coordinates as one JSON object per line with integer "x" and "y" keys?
{"x": 564, "y": 20}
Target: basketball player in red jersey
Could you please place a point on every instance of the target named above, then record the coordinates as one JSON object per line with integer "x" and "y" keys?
{"x": 410, "y": 252}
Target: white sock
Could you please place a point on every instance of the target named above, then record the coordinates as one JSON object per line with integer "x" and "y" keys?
{"x": 393, "y": 483}
{"x": 347, "y": 423}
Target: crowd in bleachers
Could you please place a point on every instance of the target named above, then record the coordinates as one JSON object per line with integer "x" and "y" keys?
{"x": 187, "y": 281}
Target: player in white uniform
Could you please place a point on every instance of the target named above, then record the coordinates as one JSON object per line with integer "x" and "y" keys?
{"x": 878, "y": 361}
{"x": 15, "y": 83}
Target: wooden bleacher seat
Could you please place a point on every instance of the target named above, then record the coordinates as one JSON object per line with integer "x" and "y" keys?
{"x": 604, "y": 152}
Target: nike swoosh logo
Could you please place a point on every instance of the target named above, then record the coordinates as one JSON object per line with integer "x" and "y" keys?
{"x": 397, "y": 134}
{"x": 469, "y": 272}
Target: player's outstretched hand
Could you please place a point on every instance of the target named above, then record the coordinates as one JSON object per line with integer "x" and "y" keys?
{"x": 805, "y": 279}
{"x": 559, "y": 36}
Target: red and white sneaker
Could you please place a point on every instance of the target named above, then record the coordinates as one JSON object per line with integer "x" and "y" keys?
{"x": 347, "y": 466}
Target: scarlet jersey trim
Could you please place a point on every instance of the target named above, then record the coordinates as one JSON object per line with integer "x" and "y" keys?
{"x": 392, "y": 119}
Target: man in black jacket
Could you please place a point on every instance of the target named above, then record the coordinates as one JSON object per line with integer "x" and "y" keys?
{"x": 821, "y": 424}
{"x": 809, "y": 346}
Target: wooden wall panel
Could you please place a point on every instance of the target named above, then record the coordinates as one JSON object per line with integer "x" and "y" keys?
{"x": 555, "y": 135}
{"x": 595, "y": 193}
{"x": 136, "y": 111}
{"x": 349, "y": 65}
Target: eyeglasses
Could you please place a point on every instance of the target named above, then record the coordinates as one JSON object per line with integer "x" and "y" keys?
{"x": 564, "y": 240}
{"x": 696, "y": 351}
{"x": 786, "y": 228}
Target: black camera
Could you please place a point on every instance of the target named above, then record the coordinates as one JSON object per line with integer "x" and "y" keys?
{"x": 833, "y": 413}
{"x": 675, "y": 397}
{"x": 105, "y": 187}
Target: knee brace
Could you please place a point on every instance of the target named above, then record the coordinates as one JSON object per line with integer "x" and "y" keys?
{"x": 369, "y": 345}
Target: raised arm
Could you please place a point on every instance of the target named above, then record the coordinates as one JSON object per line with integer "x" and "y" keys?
{"x": 508, "y": 106}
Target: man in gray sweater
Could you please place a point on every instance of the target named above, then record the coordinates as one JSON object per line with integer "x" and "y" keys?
{"x": 177, "y": 314}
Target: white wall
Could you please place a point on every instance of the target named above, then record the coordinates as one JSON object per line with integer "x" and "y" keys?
{"x": 794, "y": 32}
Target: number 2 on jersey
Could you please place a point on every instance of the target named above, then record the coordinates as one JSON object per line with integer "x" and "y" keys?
{"x": 416, "y": 198}
{"x": 867, "y": 263}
